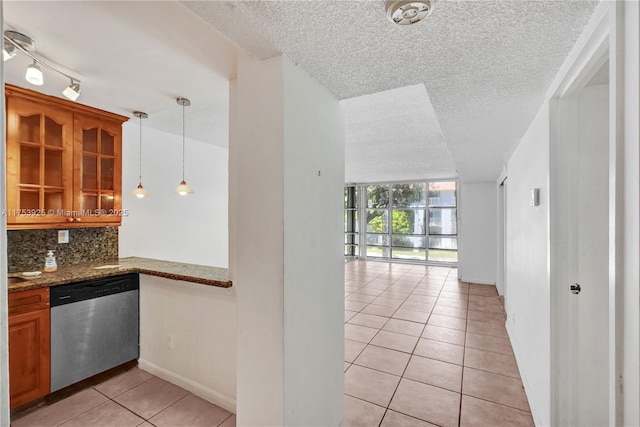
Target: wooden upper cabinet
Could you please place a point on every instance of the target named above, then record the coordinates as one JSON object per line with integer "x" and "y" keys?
{"x": 98, "y": 171}
{"x": 64, "y": 162}
{"x": 39, "y": 162}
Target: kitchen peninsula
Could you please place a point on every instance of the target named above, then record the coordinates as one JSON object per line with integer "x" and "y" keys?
{"x": 204, "y": 275}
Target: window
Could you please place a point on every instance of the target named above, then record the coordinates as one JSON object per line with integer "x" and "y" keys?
{"x": 443, "y": 224}
{"x": 414, "y": 221}
{"x": 408, "y": 238}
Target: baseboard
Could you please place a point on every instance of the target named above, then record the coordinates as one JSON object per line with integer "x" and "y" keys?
{"x": 226, "y": 402}
{"x": 478, "y": 281}
{"x": 525, "y": 382}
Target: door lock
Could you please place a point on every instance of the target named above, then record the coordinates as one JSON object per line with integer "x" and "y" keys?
{"x": 575, "y": 289}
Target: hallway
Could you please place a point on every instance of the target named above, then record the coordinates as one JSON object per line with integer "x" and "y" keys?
{"x": 423, "y": 349}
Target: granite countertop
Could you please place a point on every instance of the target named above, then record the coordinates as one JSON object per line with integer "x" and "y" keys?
{"x": 205, "y": 275}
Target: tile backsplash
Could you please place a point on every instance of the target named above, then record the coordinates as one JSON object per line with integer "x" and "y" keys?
{"x": 27, "y": 249}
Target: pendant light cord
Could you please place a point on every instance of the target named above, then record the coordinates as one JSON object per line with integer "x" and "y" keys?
{"x": 140, "y": 156}
{"x": 183, "y": 105}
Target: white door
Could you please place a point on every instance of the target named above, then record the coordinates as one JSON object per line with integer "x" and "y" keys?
{"x": 590, "y": 323}
{"x": 580, "y": 225}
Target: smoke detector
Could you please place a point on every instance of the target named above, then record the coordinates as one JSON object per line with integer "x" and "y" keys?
{"x": 407, "y": 12}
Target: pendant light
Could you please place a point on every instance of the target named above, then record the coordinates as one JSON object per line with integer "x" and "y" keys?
{"x": 183, "y": 189}
{"x": 140, "y": 192}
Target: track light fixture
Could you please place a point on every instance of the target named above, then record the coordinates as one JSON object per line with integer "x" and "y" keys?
{"x": 15, "y": 42}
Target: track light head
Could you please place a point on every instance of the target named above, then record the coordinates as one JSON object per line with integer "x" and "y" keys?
{"x": 34, "y": 74}
{"x": 9, "y": 51}
{"x": 72, "y": 91}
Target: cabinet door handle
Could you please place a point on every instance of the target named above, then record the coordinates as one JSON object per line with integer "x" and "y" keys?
{"x": 70, "y": 219}
{"x": 78, "y": 219}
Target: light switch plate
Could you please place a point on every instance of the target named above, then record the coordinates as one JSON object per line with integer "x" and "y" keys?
{"x": 63, "y": 236}
{"x": 535, "y": 197}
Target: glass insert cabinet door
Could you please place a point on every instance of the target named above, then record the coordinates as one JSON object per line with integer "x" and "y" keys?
{"x": 100, "y": 169}
{"x": 39, "y": 162}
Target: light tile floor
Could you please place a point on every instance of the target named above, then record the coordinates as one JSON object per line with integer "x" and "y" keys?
{"x": 133, "y": 398}
{"x": 423, "y": 349}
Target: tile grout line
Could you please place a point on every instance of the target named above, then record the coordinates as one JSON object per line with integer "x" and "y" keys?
{"x": 464, "y": 356}
{"x": 164, "y": 409}
{"x": 111, "y": 399}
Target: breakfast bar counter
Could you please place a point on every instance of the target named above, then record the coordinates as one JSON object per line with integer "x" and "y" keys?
{"x": 204, "y": 275}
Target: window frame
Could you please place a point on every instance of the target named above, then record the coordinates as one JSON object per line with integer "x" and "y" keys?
{"x": 387, "y": 250}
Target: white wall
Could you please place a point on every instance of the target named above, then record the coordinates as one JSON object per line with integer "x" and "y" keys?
{"x": 477, "y": 235}
{"x": 287, "y": 160}
{"x": 166, "y": 226}
{"x": 199, "y": 322}
{"x": 527, "y": 281}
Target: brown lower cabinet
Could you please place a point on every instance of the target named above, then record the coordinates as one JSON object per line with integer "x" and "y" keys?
{"x": 29, "y": 346}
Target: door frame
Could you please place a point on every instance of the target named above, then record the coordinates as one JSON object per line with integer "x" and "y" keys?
{"x": 501, "y": 276}
{"x": 597, "y": 45}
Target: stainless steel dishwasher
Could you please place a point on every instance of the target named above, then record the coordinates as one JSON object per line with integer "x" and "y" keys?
{"x": 94, "y": 327}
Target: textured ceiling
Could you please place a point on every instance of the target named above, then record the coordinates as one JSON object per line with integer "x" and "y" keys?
{"x": 485, "y": 64}
{"x": 404, "y": 116}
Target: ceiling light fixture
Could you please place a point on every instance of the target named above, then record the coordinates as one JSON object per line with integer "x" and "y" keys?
{"x": 183, "y": 189}
{"x": 407, "y": 12}
{"x": 17, "y": 42}
{"x": 34, "y": 74}
{"x": 140, "y": 192}
{"x": 73, "y": 90}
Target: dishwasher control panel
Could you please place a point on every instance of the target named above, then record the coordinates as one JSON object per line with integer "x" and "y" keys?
{"x": 94, "y": 288}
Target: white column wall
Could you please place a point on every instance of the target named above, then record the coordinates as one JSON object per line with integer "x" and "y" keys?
{"x": 188, "y": 337}
{"x": 4, "y": 351}
{"x": 630, "y": 198}
{"x": 527, "y": 280}
{"x": 166, "y": 226}
{"x": 257, "y": 165}
{"x": 288, "y": 233}
{"x": 477, "y": 244}
{"x": 313, "y": 252}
